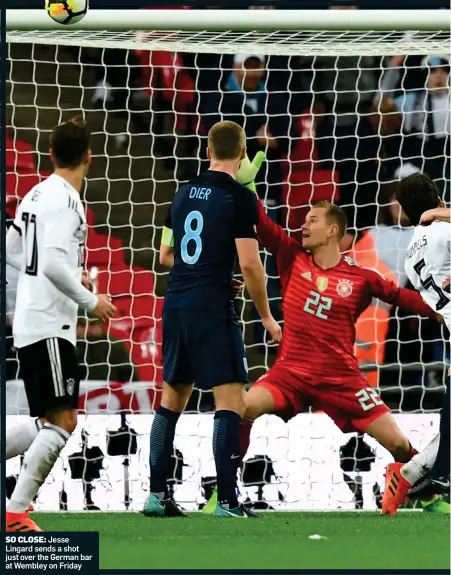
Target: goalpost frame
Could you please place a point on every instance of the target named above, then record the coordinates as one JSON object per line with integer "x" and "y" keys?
{"x": 237, "y": 20}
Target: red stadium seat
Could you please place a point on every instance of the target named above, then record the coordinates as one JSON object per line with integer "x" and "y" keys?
{"x": 11, "y": 206}
{"x": 19, "y": 184}
{"x": 102, "y": 250}
{"x": 19, "y": 155}
{"x": 147, "y": 354}
{"x": 123, "y": 281}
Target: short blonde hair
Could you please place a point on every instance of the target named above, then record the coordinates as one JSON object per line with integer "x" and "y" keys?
{"x": 226, "y": 141}
{"x": 336, "y": 215}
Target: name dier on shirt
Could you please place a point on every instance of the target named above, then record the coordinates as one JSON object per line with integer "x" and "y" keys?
{"x": 200, "y": 193}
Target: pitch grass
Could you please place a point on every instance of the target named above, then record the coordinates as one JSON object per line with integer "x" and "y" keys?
{"x": 275, "y": 541}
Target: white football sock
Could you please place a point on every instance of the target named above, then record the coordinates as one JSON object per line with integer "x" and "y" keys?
{"x": 19, "y": 438}
{"x": 37, "y": 464}
{"x": 422, "y": 462}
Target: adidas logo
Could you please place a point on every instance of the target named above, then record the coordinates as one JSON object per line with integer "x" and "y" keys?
{"x": 307, "y": 276}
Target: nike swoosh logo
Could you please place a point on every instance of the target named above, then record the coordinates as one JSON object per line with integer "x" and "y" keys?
{"x": 444, "y": 484}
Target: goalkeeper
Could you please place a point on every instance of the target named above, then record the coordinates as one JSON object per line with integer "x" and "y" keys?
{"x": 323, "y": 294}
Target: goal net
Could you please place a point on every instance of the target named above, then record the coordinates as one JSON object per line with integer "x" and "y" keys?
{"x": 342, "y": 116}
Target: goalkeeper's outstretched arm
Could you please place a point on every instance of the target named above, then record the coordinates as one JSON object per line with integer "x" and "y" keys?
{"x": 272, "y": 236}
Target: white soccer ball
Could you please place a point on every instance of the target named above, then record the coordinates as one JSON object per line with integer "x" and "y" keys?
{"x": 66, "y": 11}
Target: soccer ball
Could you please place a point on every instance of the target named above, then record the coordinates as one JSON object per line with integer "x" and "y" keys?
{"x": 66, "y": 11}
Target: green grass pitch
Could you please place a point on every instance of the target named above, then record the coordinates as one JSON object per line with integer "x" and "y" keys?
{"x": 412, "y": 540}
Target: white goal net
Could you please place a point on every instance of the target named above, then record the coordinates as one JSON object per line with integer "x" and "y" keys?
{"x": 342, "y": 116}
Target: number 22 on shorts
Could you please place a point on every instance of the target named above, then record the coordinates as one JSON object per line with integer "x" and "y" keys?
{"x": 368, "y": 398}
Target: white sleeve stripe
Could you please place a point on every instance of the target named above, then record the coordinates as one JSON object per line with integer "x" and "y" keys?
{"x": 52, "y": 367}
{"x": 59, "y": 366}
{"x": 55, "y": 365}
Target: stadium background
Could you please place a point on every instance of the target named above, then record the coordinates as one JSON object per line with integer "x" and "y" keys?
{"x": 134, "y": 176}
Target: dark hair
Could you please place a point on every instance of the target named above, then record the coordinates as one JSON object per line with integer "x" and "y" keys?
{"x": 416, "y": 194}
{"x": 226, "y": 141}
{"x": 335, "y": 214}
{"x": 70, "y": 143}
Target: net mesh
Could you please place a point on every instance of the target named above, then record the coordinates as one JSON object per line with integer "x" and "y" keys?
{"x": 342, "y": 122}
{"x": 309, "y": 43}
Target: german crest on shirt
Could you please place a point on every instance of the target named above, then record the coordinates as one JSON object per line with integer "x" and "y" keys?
{"x": 344, "y": 288}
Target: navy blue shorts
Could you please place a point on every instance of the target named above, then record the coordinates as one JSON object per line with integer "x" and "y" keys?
{"x": 202, "y": 348}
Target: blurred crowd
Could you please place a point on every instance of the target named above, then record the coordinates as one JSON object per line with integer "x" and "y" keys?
{"x": 342, "y": 128}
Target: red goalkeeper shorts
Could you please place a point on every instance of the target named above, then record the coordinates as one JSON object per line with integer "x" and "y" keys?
{"x": 351, "y": 403}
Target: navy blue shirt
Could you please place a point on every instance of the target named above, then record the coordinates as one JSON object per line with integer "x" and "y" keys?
{"x": 207, "y": 215}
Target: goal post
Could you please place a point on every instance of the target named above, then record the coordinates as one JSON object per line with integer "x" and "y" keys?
{"x": 141, "y": 79}
{"x": 285, "y": 32}
{"x": 233, "y": 20}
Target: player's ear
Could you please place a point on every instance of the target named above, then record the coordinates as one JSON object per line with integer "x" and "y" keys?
{"x": 441, "y": 204}
{"x": 88, "y": 157}
{"x": 52, "y": 156}
{"x": 334, "y": 231}
{"x": 208, "y": 154}
{"x": 243, "y": 153}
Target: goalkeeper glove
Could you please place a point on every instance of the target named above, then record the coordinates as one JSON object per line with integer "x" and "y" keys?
{"x": 247, "y": 172}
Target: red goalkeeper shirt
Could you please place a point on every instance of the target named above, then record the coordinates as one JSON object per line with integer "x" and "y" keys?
{"x": 321, "y": 307}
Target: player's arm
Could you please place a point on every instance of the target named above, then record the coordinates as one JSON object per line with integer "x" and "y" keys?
{"x": 167, "y": 243}
{"x": 406, "y": 299}
{"x": 441, "y": 214}
{"x": 272, "y": 236}
{"x": 59, "y": 231}
{"x": 14, "y": 247}
{"x": 249, "y": 258}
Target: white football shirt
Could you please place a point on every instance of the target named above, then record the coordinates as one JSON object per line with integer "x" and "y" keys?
{"x": 12, "y": 277}
{"x": 51, "y": 215}
{"x": 428, "y": 265}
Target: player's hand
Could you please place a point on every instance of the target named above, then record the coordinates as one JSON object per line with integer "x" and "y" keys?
{"x": 273, "y": 328}
{"x": 430, "y": 216}
{"x": 248, "y": 170}
{"x": 87, "y": 282}
{"x": 104, "y": 309}
{"x": 237, "y": 287}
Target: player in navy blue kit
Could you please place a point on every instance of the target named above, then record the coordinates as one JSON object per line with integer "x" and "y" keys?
{"x": 210, "y": 228}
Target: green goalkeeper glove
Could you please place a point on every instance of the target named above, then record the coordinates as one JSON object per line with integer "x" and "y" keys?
{"x": 248, "y": 170}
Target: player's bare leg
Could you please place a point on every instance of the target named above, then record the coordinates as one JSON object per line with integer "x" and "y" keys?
{"x": 259, "y": 401}
{"x": 37, "y": 464}
{"x": 173, "y": 403}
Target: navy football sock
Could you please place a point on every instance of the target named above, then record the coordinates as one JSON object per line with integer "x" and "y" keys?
{"x": 226, "y": 451}
{"x": 161, "y": 448}
{"x": 442, "y": 462}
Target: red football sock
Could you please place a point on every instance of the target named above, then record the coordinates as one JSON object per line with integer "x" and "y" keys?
{"x": 245, "y": 437}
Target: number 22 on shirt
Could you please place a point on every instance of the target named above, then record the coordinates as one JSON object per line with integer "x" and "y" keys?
{"x": 317, "y": 305}
{"x": 194, "y": 224}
